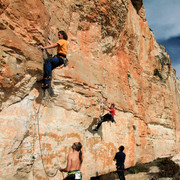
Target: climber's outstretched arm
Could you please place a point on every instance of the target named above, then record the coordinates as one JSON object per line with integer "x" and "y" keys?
{"x": 49, "y": 46}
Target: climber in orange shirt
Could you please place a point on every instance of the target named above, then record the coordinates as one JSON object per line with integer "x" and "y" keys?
{"x": 57, "y": 60}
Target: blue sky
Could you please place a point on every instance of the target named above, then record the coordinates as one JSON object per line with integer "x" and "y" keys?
{"x": 163, "y": 18}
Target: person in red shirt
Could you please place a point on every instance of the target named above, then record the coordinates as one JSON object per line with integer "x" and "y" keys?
{"x": 107, "y": 117}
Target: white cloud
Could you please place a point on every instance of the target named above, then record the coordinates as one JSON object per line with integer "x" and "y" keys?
{"x": 163, "y": 17}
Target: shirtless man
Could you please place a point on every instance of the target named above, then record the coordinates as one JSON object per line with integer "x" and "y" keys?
{"x": 74, "y": 161}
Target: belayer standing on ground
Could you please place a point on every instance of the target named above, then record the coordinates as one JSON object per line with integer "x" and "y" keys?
{"x": 74, "y": 162}
{"x": 57, "y": 60}
{"x": 107, "y": 117}
{"x": 120, "y": 158}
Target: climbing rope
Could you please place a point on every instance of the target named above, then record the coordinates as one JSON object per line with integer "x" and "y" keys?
{"x": 102, "y": 102}
{"x": 102, "y": 92}
{"x": 38, "y": 132}
{"x": 62, "y": 175}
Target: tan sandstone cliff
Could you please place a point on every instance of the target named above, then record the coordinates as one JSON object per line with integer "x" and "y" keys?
{"x": 113, "y": 57}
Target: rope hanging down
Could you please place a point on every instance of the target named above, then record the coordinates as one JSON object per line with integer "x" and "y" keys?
{"x": 38, "y": 132}
{"x": 44, "y": 53}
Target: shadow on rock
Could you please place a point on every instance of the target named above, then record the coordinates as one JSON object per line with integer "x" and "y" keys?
{"x": 93, "y": 125}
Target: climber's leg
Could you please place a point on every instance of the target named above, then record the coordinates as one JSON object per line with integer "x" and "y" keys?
{"x": 121, "y": 175}
{"x": 99, "y": 124}
{"x": 58, "y": 61}
{"x": 107, "y": 117}
{"x": 49, "y": 65}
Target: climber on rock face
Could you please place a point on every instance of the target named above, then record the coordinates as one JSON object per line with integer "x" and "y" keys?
{"x": 74, "y": 162}
{"x": 107, "y": 117}
{"x": 57, "y": 60}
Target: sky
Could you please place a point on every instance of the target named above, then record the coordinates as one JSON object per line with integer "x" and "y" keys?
{"x": 163, "y": 18}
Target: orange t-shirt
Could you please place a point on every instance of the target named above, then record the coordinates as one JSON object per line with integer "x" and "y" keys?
{"x": 62, "y": 46}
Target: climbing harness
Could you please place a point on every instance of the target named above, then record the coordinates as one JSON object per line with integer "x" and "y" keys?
{"x": 66, "y": 62}
{"x": 77, "y": 174}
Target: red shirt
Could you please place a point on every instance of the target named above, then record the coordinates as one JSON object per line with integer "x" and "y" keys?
{"x": 112, "y": 111}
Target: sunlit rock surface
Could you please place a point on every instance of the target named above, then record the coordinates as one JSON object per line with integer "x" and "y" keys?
{"x": 113, "y": 57}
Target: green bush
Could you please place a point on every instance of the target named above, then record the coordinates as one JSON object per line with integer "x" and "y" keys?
{"x": 168, "y": 168}
{"x": 138, "y": 168}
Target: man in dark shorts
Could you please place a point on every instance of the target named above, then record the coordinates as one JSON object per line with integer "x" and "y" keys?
{"x": 120, "y": 158}
{"x": 74, "y": 162}
{"x": 107, "y": 117}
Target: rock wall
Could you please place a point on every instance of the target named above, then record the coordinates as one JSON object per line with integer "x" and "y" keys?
{"x": 113, "y": 57}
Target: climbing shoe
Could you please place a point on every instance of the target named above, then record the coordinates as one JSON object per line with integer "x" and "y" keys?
{"x": 101, "y": 117}
{"x": 65, "y": 62}
{"x": 114, "y": 121}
